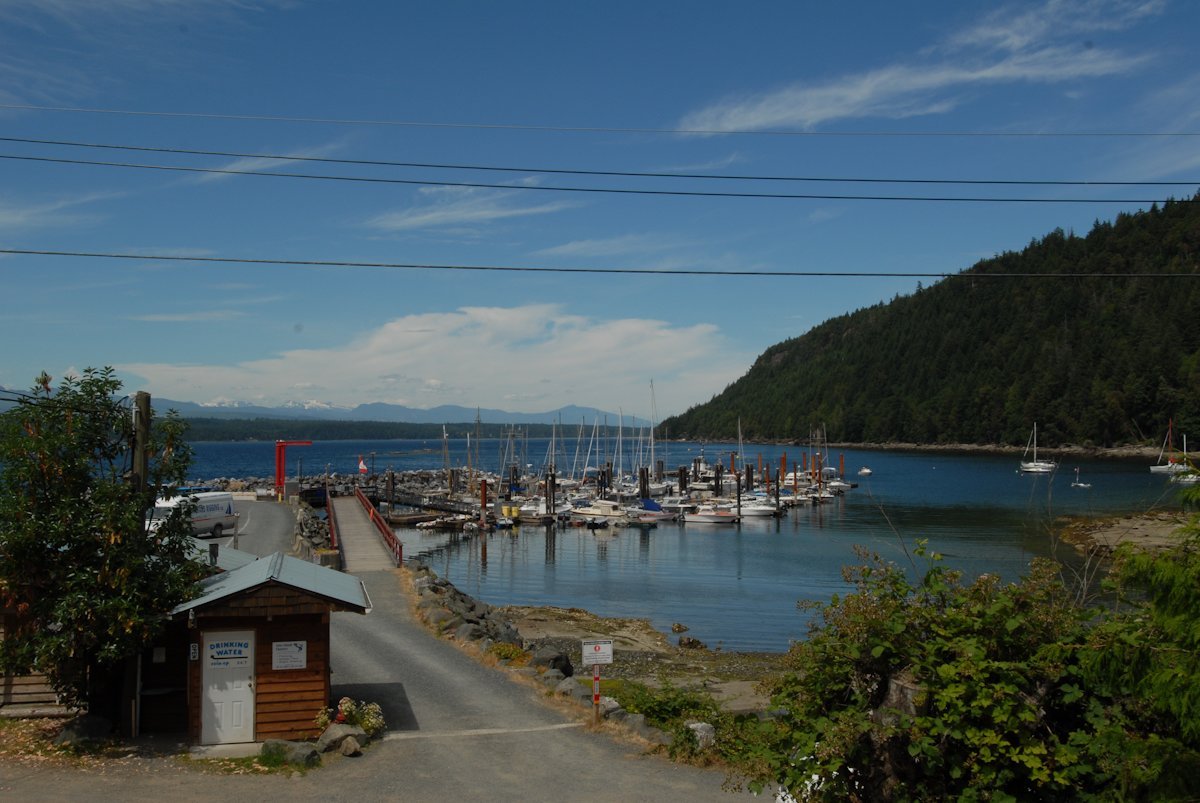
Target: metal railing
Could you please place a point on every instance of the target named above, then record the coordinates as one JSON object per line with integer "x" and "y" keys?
{"x": 334, "y": 540}
{"x": 385, "y": 530}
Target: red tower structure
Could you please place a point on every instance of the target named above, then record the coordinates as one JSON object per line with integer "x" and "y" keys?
{"x": 281, "y": 464}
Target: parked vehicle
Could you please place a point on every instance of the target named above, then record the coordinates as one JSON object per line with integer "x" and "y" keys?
{"x": 212, "y": 512}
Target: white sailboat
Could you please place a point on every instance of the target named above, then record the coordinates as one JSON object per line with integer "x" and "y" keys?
{"x": 1035, "y": 466}
{"x": 1172, "y": 465}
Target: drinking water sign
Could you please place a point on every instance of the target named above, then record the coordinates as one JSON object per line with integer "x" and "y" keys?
{"x": 230, "y": 654}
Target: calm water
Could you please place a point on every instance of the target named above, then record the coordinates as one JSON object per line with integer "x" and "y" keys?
{"x": 737, "y": 586}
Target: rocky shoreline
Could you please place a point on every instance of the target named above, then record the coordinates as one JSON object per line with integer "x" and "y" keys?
{"x": 553, "y": 637}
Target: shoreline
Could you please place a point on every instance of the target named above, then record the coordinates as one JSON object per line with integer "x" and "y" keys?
{"x": 1104, "y": 534}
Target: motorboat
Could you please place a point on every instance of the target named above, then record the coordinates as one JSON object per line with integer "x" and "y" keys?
{"x": 605, "y": 509}
{"x": 710, "y": 514}
{"x": 865, "y": 471}
{"x": 759, "y": 508}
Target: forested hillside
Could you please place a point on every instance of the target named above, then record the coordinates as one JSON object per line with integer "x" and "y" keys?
{"x": 979, "y": 357}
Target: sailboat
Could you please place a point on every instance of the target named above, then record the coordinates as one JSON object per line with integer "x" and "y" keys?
{"x": 1077, "y": 483}
{"x": 1172, "y": 465}
{"x": 1035, "y": 466}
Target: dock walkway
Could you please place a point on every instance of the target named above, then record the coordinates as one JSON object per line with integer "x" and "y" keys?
{"x": 362, "y": 545}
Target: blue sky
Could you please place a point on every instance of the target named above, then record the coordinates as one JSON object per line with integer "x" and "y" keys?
{"x": 1084, "y": 90}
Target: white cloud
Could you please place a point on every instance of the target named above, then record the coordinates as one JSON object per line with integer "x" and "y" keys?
{"x": 448, "y": 207}
{"x": 264, "y": 164}
{"x": 1003, "y": 49}
{"x": 538, "y": 354}
{"x": 21, "y": 216}
{"x": 610, "y": 246}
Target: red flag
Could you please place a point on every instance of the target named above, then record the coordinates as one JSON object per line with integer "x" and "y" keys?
{"x": 362, "y": 467}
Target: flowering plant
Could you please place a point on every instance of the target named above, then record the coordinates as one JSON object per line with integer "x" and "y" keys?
{"x": 368, "y": 716}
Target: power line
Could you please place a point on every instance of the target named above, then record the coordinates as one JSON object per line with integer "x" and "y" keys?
{"x": 603, "y": 190}
{"x": 602, "y": 129}
{"x": 607, "y": 173}
{"x": 593, "y": 270}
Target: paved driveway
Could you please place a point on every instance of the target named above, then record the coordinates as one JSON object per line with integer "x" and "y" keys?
{"x": 462, "y": 731}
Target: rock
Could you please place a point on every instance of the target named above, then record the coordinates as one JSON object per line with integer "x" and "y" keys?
{"x": 555, "y": 659}
{"x": 350, "y": 747}
{"x": 634, "y": 721}
{"x": 301, "y": 754}
{"x": 337, "y": 733}
{"x": 552, "y": 677}
{"x": 678, "y": 628}
{"x": 84, "y": 728}
{"x": 567, "y": 687}
{"x": 706, "y": 734}
{"x": 468, "y": 632}
{"x": 689, "y": 643}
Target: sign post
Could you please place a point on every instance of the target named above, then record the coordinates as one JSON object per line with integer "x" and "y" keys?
{"x": 595, "y": 653}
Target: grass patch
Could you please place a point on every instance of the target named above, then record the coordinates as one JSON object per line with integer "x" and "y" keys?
{"x": 248, "y": 765}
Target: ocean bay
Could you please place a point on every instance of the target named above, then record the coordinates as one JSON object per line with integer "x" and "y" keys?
{"x": 737, "y": 587}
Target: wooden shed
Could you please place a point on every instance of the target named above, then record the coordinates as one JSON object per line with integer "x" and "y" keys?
{"x": 250, "y": 655}
{"x": 25, "y": 695}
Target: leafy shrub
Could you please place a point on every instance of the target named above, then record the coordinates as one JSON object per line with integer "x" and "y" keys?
{"x": 507, "y": 652}
{"x": 664, "y": 707}
{"x": 984, "y": 691}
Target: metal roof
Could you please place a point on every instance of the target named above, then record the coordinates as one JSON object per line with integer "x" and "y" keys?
{"x": 228, "y": 558}
{"x": 337, "y": 587}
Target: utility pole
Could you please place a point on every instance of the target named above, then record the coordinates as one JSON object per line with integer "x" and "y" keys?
{"x": 130, "y": 701}
{"x": 141, "y": 440}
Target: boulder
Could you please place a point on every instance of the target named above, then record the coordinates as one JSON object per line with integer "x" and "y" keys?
{"x": 468, "y": 632}
{"x": 84, "y": 728}
{"x": 350, "y": 747}
{"x": 554, "y": 659}
{"x": 300, "y": 754}
{"x": 338, "y": 732}
{"x": 689, "y": 643}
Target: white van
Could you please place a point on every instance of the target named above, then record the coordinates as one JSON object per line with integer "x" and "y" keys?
{"x": 212, "y": 512}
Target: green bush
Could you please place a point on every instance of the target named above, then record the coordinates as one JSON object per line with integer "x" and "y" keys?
{"x": 985, "y": 691}
{"x": 664, "y": 707}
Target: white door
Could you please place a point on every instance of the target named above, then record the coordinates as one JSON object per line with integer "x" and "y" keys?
{"x": 227, "y": 707}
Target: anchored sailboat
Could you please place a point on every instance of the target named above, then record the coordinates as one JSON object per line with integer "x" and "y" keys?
{"x": 1035, "y": 466}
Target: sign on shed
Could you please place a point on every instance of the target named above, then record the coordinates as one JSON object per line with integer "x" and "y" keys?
{"x": 289, "y": 654}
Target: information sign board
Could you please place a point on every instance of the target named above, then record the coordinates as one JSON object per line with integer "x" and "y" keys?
{"x": 289, "y": 654}
{"x": 597, "y": 651}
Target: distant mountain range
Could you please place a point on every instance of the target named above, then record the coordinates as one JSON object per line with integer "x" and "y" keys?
{"x": 570, "y": 415}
